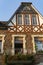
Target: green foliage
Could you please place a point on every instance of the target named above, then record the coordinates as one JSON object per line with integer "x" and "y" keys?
{"x": 40, "y": 51}
{"x": 20, "y": 57}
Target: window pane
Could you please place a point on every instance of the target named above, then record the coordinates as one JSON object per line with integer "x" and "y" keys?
{"x": 18, "y": 44}
{"x": 34, "y": 21}
{"x": 39, "y": 43}
{"x": 19, "y": 19}
{"x": 0, "y": 45}
{"x": 26, "y": 19}
{"x": 18, "y": 40}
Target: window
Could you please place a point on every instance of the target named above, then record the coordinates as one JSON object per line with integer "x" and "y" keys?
{"x": 19, "y": 19}
{"x": 18, "y": 44}
{"x": 34, "y": 21}
{"x": 26, "y": 19}
{"x": 39, "y": 43}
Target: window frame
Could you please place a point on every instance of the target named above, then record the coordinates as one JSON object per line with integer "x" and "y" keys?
{"x": 2, "y": 38}
{"x": 33, "y": 36}
{"x": 24, "y": 41}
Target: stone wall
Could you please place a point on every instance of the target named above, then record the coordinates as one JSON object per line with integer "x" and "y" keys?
{"x": 8, "y": 40}
{"x": 8, "y": 43}
{"x": 29, "y": 44}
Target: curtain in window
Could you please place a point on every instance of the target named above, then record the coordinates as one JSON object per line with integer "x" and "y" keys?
{"x": 34, "y": 21}
{"x": 26, "y": 19}
{"x": 19, "y": 19}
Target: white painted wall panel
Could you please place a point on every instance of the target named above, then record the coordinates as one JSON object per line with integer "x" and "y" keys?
{"x": 41, "y": 20}
{"x": 14, "y": 20}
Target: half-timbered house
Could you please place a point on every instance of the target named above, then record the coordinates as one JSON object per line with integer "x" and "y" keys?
{"x": 23, "y": 32}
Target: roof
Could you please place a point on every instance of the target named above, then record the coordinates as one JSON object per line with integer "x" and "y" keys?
{"x": 26, "y": 3}
{"x": 21, "y": 7}
{"x": 3, "y": 23}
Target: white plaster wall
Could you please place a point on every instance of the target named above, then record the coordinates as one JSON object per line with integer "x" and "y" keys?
{"x": 14, "y": 20}
{"x": 10, "y": 24}
{"x": 41, "y": 20}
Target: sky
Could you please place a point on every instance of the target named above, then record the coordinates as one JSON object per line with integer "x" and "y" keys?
{"x": 8, "y": 7}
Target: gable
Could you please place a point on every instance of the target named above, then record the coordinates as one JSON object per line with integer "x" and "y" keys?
{"x": 26, "y": 8}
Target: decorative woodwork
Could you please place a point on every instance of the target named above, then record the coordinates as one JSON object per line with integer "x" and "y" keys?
{"x": 26, "y": 28}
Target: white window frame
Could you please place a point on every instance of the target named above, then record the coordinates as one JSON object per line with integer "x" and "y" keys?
{"x": 2, "y": 50}
{"x": 24, "y": 41}
{"x": 33, "y": 42}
